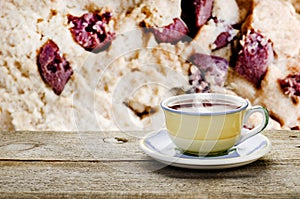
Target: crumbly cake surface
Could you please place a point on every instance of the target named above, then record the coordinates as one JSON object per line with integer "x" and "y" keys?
{"x": 120, "y": 88}
{"x": 280, "y": 24}
{"x": 86, "y": 102}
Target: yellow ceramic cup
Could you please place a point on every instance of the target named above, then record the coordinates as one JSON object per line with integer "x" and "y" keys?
{"x": 209, "y": 123}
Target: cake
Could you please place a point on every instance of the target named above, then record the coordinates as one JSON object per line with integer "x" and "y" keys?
{"x": 90, "y": 65}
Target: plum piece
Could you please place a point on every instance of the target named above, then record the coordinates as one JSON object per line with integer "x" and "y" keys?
{"x": 254, "y": 56}
{"x": 195, "y": 13}
{"x": 54, "y": 69}
{"x": 222, "y": 40}
{"x": 91, "y": 31}
{"x": 172, "y": 33}
{"x": 215, "y": 68}
{"x": 291, "y": 84}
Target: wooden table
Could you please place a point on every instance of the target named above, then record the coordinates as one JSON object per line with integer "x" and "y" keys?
{"x": 111, "y": 165}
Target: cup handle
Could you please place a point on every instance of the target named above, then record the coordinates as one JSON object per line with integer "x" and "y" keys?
{"x": 258, "y": 128}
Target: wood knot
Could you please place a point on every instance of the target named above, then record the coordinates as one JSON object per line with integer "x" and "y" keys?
{"x": 115, "y": 140}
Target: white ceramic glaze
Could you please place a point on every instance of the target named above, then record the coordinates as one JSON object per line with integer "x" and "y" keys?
{"x": 159, "y": 146}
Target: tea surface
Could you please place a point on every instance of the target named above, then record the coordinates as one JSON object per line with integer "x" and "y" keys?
{"x": 204, "y": 106}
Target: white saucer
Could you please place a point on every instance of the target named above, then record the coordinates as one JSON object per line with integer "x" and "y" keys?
{"x": 159, "y": 146}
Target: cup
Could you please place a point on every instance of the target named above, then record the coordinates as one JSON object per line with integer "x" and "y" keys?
{"x": 209, "y": 123}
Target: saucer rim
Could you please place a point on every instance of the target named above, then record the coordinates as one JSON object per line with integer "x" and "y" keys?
{"x": 204, "y": 163}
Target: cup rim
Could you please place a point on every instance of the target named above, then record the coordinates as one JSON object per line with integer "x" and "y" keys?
{"x": 165, "y": 102}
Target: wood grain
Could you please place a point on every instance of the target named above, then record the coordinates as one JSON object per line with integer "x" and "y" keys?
{"x": 100, "y": 164}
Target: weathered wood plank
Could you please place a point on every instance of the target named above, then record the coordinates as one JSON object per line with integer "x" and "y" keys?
{"x": 90, "y": 146}
{"x": 78, "y": 146}
{"x": 63, "y": 164}
{"x": 53, "y": 179}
